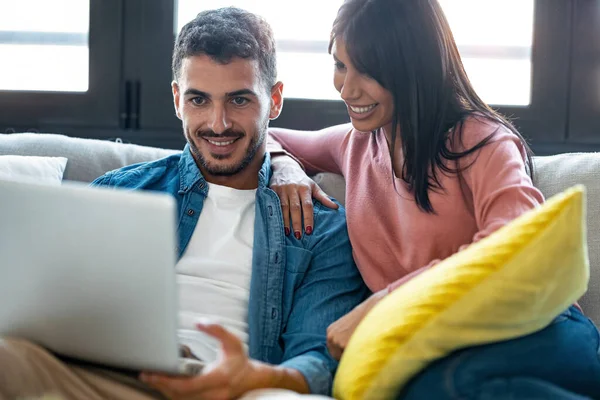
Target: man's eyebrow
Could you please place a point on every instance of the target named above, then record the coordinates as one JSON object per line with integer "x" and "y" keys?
{"x": 242, "y": 92}
{"x": 197, "y": 93}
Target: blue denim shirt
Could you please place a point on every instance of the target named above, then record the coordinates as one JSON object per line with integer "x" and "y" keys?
{"x": 298, "y": 287}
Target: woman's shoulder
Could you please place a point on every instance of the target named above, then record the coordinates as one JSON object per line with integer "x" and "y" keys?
{"x": 341, "y": 130}
{"x": 475, "y": 129}
{"x": 349, "y": 138}
{"x": 338, "y": 134}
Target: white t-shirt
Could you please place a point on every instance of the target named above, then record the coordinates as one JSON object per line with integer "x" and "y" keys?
{"x": 214, "y": 272}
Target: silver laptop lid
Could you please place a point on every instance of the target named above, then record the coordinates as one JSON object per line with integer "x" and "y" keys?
{"x": 89, "y": 273}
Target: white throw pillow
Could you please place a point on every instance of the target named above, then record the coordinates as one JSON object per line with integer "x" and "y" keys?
{"x": 48, "y": 170}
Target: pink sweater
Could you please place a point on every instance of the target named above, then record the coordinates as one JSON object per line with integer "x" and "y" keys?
{"x": 392, "y": 239}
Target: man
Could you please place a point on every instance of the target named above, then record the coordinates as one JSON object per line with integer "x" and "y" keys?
{"x": 265, "y": 290}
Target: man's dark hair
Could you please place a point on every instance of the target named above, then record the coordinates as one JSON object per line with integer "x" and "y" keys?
{"x": 226, "y": 33}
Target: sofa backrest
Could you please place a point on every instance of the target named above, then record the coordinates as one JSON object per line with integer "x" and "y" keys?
{"x": 557, "y": 173}
{"x": 88, "y": 159}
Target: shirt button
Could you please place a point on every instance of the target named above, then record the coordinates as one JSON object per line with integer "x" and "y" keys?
{"x": 202, "y": 185}
{"x": 273, "y": 313}
{"x": 270, "y": 211}
{"x": 190, "y": 212}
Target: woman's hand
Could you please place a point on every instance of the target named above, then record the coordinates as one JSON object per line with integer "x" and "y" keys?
{"x": 339, "y": 333}
{"x": 296, "y": 190}
{"x": 228, "y": 378}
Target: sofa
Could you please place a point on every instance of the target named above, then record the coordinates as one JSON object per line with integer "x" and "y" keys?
{"x": 89, "y": 158}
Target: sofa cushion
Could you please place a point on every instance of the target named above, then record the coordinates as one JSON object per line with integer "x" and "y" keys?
{"x": 510, "y": 284}
{"x": 48, "y": 170}
{"x": 553, "y": 174}
{"x": 333, "y": 184}
{"x": 87, "y": 158}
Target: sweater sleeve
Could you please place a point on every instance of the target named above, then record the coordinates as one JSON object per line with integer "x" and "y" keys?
{"x": 497, "y": 181}
{"x": 496, "y": 184}
{"x": 317, "y": 151}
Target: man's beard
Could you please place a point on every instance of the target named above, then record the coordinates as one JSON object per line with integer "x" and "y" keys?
{"x": 227, "y": 170}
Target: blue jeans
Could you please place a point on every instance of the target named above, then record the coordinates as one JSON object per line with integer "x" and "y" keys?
{"x": 560, "y": 361}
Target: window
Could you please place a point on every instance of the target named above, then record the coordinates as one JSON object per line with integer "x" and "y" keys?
{"x": 58, "y": 39}
{"x": 584, "y": 96}
{"x": 101, "y": 68}
{"x": 61, "y": 65}
{"x": 303, "y": 62}
{"x": 497, "y": 60}
{"x": 516, "y": 53}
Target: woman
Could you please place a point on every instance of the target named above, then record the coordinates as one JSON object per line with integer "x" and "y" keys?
{"x": 429, "y": 169}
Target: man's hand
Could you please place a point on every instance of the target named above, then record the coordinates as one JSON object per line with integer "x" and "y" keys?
{"x": 227, "y": 378}
{"x": 232, "y": 375}
{"x": 186, "y": 352}
{"x": 339, "y": 333}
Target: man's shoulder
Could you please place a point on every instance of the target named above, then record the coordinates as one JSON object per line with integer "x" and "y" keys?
{"x": 140, "y": 175}
{"x": 326, "y": 214}
{"x": 329, "y": 228}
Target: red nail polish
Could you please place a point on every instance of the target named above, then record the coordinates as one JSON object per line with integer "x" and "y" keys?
{"x": 298, "y": 235}
{"x": 287, "y": 231}
{"x": 308, "y": 230}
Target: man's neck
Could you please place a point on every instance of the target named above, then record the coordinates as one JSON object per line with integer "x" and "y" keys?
{"x": 246, "y": 179}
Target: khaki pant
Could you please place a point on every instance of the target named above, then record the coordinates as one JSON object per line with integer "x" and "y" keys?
{"x": 28, "y": 371}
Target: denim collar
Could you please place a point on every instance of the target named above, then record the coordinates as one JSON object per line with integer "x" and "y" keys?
{"x": 191, "y": 177}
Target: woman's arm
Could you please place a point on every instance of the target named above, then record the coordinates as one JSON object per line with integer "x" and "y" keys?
{"x": 316, "y": 151}
{"x": 498, "y": 189}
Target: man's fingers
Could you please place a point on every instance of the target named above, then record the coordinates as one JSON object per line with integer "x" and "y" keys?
{"x": 231, "y": 345}
{"x": 219, "y": 393}
{"x": 177, "y": 387}
{"x": 169, "y": 386}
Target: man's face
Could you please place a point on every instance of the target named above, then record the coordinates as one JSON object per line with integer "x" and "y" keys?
{"x": 225, "y": 110}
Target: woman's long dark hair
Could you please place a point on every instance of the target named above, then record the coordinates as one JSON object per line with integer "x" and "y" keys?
{"x": 408, "y": 48}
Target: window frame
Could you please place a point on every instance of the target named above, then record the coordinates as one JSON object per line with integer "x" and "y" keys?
{"x": 545, "y": 119}
{"x": 584, "y": 95}
{"x": 98, "y": 107}
{"x": 130, "y": 97}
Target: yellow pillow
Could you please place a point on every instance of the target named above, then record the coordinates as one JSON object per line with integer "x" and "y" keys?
{"x": 512, "y": 283}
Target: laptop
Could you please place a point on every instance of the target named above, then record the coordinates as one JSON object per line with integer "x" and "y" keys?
{"x": 89, "y": 273}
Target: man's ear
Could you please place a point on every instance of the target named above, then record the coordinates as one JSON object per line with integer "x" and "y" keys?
{"x": 276, "y": 100}
{"x": 175, "y": 89}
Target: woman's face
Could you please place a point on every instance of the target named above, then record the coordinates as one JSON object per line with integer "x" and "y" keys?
{"x": 370, "y": 106}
